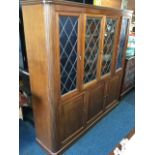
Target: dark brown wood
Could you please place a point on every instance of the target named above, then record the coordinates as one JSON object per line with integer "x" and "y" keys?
{"x": 96, "y": 99}
{"x": 61, "y": 119}
{"x": 113, "y": 89}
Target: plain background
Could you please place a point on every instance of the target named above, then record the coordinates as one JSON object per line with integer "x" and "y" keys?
{"x": 143, "y": 143}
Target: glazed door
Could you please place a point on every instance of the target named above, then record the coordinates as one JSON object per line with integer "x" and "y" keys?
{"x": 120, "y": 60}
{"x": 93, "y": 30}
{"x": 109, "y": 43}
{"x": 69, "y": 55}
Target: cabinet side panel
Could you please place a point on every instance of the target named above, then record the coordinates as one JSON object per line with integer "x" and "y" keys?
{"x": 37, "y": 61}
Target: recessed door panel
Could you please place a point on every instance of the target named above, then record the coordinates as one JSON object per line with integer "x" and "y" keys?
{"x": 72, "y": 116}
{"x": 96, "y": 101}
{"x": 113, "y": 89}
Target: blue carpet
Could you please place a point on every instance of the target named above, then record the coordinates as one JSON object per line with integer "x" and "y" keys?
{"x": 27, "y": 143}
{"x": 100, "y": 139}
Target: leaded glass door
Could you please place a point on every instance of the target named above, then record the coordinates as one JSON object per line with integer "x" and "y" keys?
{"x": 108, "y": 45}
{"x": 92, "y": 48}
{"x": 122, "y": 43}
{"x": 68, "y": 44}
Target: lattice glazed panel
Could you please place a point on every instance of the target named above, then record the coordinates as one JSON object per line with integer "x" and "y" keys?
{"x": 122, "y": 42}
{"x": 91, "y": 48}
{"x": 108, "y": 50}
{"x": 68, "y": 52}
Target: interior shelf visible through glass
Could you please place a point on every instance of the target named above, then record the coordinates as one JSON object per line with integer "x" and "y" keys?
{"x": 108, "y": 49}
{"x": 68, "y": 52}
{"x": 92, "y": 38}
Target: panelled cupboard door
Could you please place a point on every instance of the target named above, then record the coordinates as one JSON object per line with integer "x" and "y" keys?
{"x": 122, "y": 43}
{"x": 96, "y": 101}
{"x": 69, "y": 46}
{"x": 113, "y": 85}
{"x": 72, "y": 115}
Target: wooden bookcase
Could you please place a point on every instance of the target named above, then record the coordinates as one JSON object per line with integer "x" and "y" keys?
{"x": 76, "y": 56}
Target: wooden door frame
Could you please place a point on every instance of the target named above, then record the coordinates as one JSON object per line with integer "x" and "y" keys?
{"x": 89, "y": 84}
{"x": 74, "y": 92}
{"x": 125, "y": 47}
{"x": 114, "y": 48}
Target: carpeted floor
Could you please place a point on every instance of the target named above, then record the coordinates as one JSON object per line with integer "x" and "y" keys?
{"x": 99, "y": 140}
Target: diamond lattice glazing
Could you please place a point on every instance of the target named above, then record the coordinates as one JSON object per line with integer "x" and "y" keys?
{"x": 122, "y": 43}
{"x": 92, "y": 47}
{"x": 108, "y": 45}
{"x": 68, "y": 52}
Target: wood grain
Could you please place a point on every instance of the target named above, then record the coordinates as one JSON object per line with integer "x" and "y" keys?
{"x": 38, "y": 64}
{"x": 61, "y": 119}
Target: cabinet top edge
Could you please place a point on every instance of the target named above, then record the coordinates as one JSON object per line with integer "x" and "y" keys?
{"x": 60, "y": 2}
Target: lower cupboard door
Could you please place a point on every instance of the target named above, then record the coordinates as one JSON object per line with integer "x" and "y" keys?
{"x": 113, "y": 90}
{"x": 72, "y": 113}
{"x": 95, "y": 102}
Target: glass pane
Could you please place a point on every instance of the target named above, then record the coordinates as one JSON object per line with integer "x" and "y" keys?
{"x": 109, "y": 38}
{"x": 92, "y": 47}
{"x": 122, "y": 43}
{"x": 68, "y": 52}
